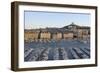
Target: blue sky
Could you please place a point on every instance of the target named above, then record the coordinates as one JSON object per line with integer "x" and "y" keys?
{"x": 36, "y": 19}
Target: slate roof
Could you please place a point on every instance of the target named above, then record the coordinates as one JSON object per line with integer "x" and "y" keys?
{"x": 58, "y": 30}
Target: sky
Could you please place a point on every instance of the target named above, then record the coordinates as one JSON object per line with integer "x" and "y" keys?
{"x": 40, "y": 19}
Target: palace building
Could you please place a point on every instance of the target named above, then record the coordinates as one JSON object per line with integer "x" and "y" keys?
{"x": 71, "y": 31}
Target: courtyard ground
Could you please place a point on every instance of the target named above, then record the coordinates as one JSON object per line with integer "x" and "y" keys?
{"x": 56, "y": 50}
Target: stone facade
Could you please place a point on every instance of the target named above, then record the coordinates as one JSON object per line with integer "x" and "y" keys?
{"x": 45, "y": 35}
{"x": 69, "y": 32}
{"x": 56, "y": 36}
{"x": 31, "y": 35}
{"x": 68, "y": 35}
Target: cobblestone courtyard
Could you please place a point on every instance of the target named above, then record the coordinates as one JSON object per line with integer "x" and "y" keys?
{"x": 56, "y": 50}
